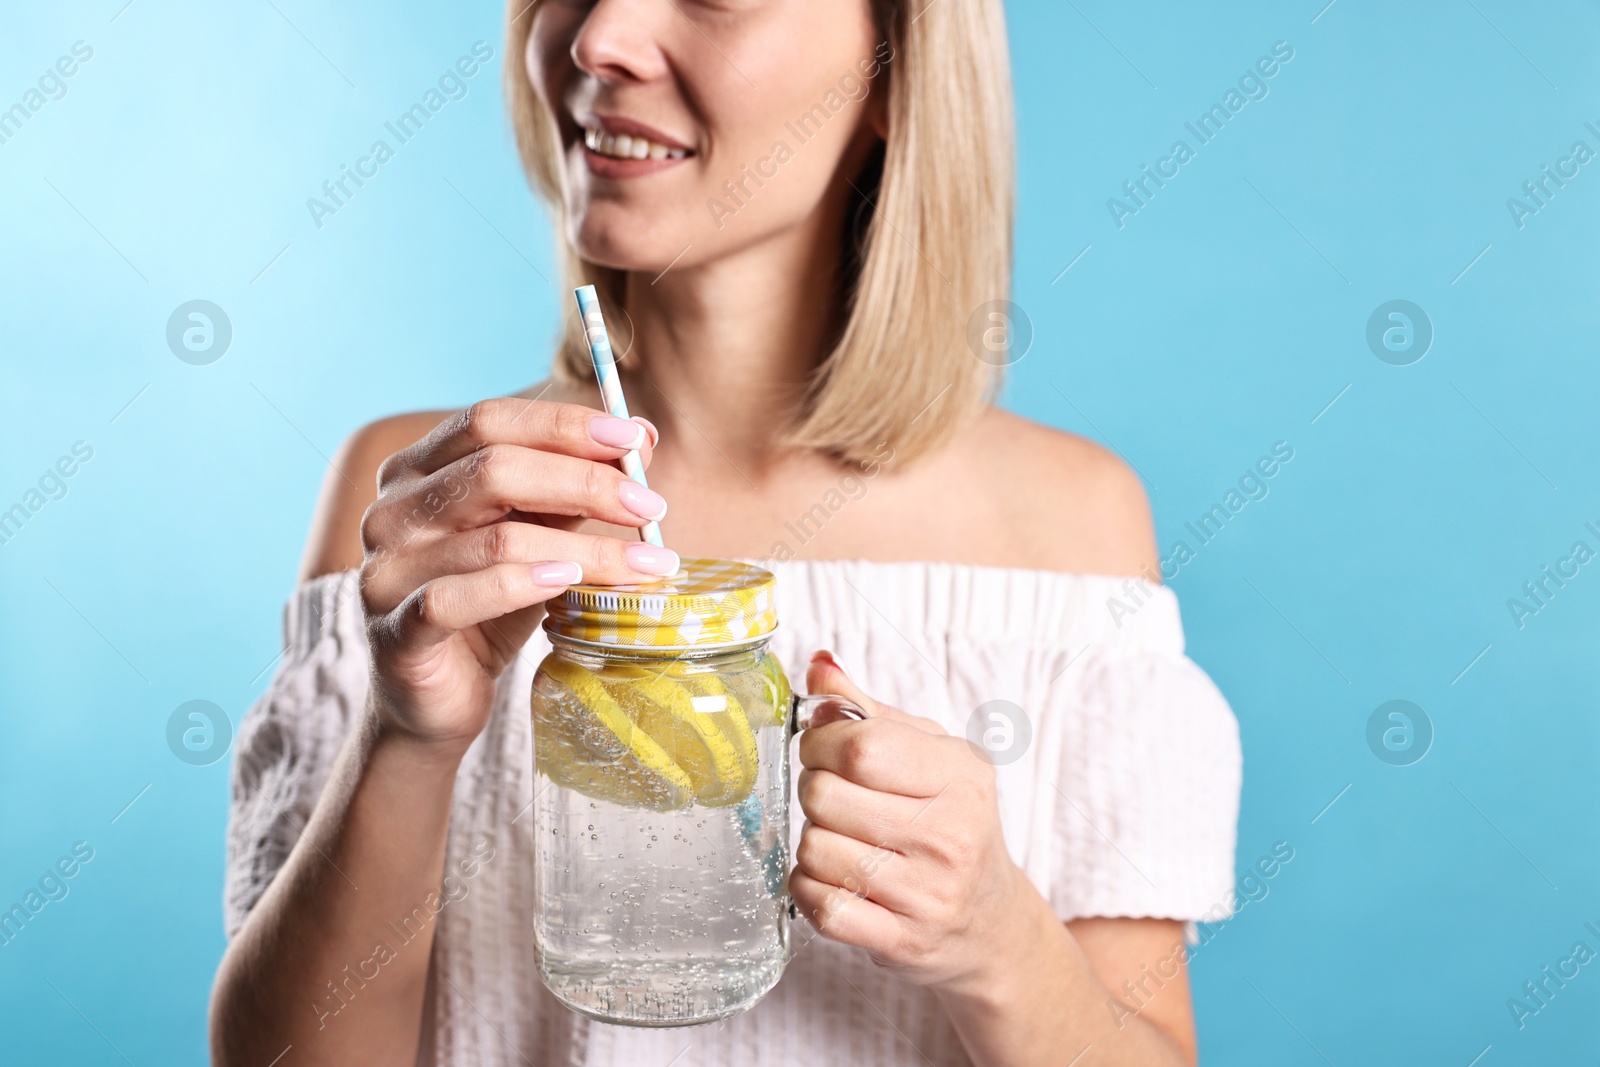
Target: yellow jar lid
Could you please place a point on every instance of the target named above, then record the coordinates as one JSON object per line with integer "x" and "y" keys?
{"x": 708, "y": 602}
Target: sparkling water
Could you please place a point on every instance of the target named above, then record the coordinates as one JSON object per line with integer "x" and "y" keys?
{"x": 661, "y": 918}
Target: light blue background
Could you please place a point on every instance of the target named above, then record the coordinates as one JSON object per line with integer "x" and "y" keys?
{"x": 1224, "y": 317}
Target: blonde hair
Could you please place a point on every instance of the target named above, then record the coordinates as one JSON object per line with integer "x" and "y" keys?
{"x": 936, "y": 241}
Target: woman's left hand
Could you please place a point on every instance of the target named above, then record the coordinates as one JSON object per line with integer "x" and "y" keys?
{"x": 902, "y": 852}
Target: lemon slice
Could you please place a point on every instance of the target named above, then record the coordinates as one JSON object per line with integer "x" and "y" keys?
{"x": 714, "y": 700}
{"x": 699, "y": 724}
{"x": 591, "y": 745}
{"x": 781, "y": 693}
{"x": 764, "y": 693}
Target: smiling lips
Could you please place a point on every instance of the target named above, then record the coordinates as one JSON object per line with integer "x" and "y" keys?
{"x": 622, "y": 146}
{"x": 630, "y": 153}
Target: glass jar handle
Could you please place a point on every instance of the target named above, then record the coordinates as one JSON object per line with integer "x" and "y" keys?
{"x": 802, "y": 713}
{"x": 803, "y": 709}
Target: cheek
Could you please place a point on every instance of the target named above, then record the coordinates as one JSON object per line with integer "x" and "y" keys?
{"x": 531, "y": 68}
{"x": 772, "y": 164}
{"x": 546, "y": 60}
{"x": 781, "y": 147}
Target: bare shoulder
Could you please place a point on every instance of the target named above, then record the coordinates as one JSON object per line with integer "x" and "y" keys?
{"x": 350, "y": 487}
{"x": 1066, "y": 503}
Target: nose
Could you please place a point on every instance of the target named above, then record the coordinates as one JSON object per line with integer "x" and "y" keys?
{"x": 620, "y": 40}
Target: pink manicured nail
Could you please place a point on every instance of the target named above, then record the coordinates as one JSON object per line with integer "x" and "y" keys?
{"x": 557, "y": 574}
{"x": 828, "y": 657}
{"x": 645, "y": 503}
{"x": 648, "y": 559}
{"x": 618, "y": 433}
{"x": 655, "y": 434}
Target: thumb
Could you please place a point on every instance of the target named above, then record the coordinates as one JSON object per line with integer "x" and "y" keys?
{"x": 826, "y": 675}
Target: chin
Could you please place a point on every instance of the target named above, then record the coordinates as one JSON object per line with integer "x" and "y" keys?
{"x": 624, "y": 240}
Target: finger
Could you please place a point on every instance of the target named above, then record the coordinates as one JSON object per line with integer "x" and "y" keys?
{"x": 603, "y": 560}
{"x": 825, "y": 674}
{"x": 884, "y": 755}
{"x": 498, "y": 480}
{"x": 865, "y": 814}
{"x": 571, "y": 429}
{"x": 449, "y": 604}
{"x": 840, "y": 915}
{"x": 861, "y": 868}
{"x": 571, "y": 522}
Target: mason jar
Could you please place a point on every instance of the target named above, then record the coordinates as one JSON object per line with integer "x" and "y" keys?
{"x": 661, "y": 731}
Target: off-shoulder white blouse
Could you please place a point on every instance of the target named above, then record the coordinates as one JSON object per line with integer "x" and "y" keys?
{"x": 1123, "y": 803}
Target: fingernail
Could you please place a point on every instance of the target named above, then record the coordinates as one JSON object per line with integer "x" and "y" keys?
{"x": 827, "y": 657}
{"x": 643, "y": 502}
{"x": 557, "y": 573}
{"x": 618, "y": 433}
{"x": 648, "y": 559}
{"x": 655, "y": 434}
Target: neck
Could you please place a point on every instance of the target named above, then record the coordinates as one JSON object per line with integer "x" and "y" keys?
{"x": 725, "y": 349}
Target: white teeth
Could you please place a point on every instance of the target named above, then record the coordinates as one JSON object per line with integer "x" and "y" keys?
{"x": 626, "y": 146}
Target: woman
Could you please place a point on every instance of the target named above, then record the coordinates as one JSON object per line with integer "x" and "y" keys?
{"x": 793, "y": 210}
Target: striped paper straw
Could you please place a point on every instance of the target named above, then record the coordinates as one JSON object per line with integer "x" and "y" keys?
{"x": 605, "y": 371}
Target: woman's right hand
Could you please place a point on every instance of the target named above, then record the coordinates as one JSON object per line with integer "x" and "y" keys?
{"x": 474, "y": 528}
